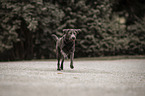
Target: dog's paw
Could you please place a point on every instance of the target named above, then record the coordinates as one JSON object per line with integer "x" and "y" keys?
{"x": 58, "y": 69}
{"x": 71, "y": 66}
{"x": 61, "y": 68}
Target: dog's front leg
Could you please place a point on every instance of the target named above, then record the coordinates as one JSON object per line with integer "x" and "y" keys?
{"x": 71, "y": 58}
{"x": 62, "y": 63}
{"x": 58, "y": 55}
{"x": 64, "y": 54}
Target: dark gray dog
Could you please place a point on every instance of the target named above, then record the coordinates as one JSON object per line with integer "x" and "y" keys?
{"x": 65, "y": 46}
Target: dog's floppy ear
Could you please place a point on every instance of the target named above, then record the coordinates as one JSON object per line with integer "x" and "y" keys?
{"x": 65, "y": 31}
{"x": 77, "y": 31}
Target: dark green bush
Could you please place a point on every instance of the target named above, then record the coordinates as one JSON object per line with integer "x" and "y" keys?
{"x": 26, "y": 27}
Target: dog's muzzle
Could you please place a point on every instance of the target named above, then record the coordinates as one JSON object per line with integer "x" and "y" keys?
{"x": 73, "y": 38}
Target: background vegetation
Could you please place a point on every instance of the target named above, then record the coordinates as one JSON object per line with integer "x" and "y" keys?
{"x": 109, "y": 27}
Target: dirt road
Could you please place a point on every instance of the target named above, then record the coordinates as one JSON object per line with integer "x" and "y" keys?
{"x": 89, "y": 78}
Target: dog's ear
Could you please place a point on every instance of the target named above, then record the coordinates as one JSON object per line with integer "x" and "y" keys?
{"x": 78, "y": 31}
{"x": 65, "y": 31}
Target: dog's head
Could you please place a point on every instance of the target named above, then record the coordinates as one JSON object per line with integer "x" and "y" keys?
{"x": 71, "y": 33}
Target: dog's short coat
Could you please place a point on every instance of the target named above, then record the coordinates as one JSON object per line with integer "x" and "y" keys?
{"x": 65, "y": 46}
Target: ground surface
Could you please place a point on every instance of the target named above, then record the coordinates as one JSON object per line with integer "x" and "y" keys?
{"x": 89, "y": 78}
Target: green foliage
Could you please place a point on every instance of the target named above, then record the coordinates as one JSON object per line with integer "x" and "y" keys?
{"x": 100, "y": 35}
{"x": 8, "y": 35}
{"x": 137, "y": 33}
{"x": 26, "y": 27}
{"x": 27, "y": 23}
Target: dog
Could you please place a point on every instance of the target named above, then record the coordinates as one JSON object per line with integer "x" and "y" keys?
{"x": 65, "y": 46}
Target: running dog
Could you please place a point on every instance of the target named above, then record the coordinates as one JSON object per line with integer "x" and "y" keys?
{"x": 65, "y": 46}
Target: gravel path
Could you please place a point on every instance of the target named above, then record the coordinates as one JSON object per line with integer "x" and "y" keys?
{"x": 89, "y": 78}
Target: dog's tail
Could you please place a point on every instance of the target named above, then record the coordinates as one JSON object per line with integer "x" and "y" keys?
{"x": 55, "y": 37}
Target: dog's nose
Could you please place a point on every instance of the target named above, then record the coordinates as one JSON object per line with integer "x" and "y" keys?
{"x": 73, "y": 38}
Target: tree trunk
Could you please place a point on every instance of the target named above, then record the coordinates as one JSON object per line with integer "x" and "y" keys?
{"x": 24, "y": 48}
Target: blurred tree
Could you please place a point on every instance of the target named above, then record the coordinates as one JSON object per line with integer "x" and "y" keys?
{"x": 131, "y": 9}
{"x": 81, "y": 14}
{"x": 26, "y": 27}
{"x": 109, "y": 27}
{"x": 137, "y": 41}
{"x": 134, "y": 13}
{"x": 99, "y": 31}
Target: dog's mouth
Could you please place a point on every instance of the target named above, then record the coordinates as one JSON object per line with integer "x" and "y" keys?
{"x": 73, "y": 39}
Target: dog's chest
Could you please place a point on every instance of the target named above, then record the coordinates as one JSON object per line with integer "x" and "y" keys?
{"x": 68, "y": 47}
